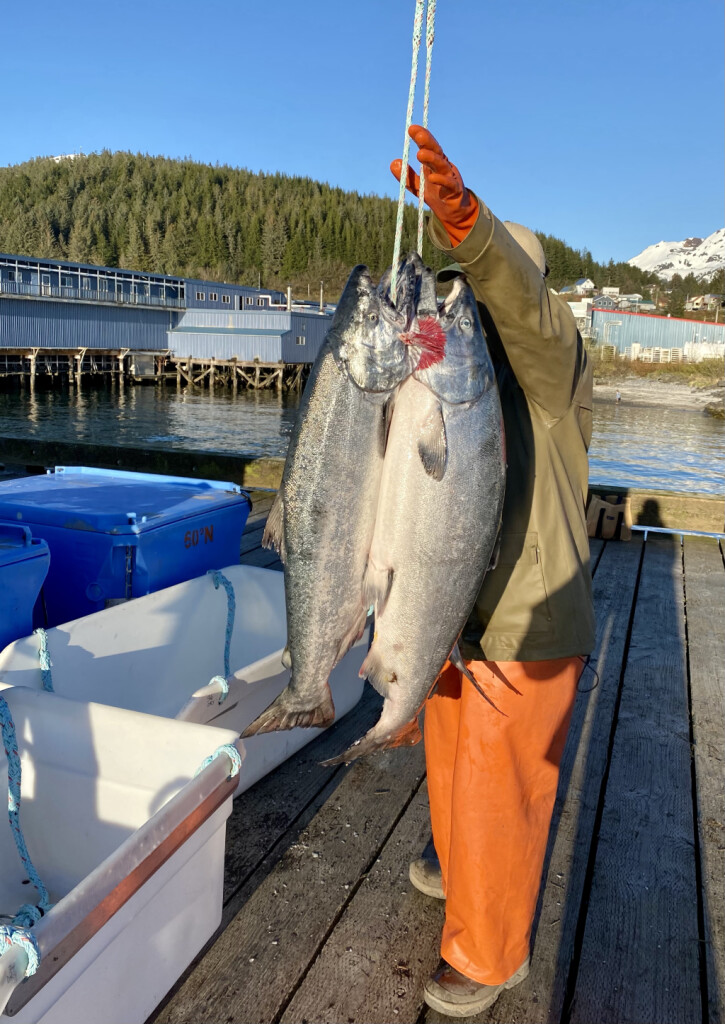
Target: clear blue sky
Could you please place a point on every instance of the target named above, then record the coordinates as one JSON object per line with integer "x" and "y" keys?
{"x": 601, "y": 123}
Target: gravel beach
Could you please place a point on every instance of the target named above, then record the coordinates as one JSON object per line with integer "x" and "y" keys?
{"x": 641, "y": 391}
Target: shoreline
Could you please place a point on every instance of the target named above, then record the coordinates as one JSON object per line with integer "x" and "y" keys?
{"x": 656, "y": 393}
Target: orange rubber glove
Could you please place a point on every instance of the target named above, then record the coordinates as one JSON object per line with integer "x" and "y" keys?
{"x": 445, "y": 193}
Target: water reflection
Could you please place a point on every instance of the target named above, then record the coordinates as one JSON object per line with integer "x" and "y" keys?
{"x": 658, "y": 448}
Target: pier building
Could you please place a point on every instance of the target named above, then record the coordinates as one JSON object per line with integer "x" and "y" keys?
{"x": 656, "y": 338}
{"x": 68, "y": 319}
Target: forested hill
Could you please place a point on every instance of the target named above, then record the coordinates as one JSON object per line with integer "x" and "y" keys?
{"x": 223, "y": 223}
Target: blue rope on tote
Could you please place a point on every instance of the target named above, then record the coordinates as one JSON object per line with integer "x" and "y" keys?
{"x": 220, "y": 578}
{"x": 28, "y": 914}
{"x": 231, "y": 752}
{"x": 223, "y": 686}
{"x": 44, "y": 655}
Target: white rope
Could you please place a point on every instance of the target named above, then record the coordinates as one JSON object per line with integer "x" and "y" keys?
{"x": 417, "y": 32}
{"x": 429, "y": 37}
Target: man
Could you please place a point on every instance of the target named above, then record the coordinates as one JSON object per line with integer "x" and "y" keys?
{"x": 492, "y": 774}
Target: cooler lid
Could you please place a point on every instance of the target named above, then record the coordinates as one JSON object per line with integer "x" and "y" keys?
{"x": 112, "y": 501}
{"x": 17, "y": 544}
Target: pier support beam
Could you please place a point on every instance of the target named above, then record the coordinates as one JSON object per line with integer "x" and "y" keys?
{"x": 79, "y": 364}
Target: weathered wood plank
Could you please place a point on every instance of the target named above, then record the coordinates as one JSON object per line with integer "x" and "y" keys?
{"x": 639, "y": 956}
{"x": 262, "y": 815}
{"x": 252, "y": 536}
{"x": 254, "y": 967}
{"x": 541, "y": 997}
{"x": 267, "y": 558}
{"x": 374, "y": 964}
{"x": 595, "y": 549}
{"x": 261, "y": 504}
{"x": 705, "y": 603}
{"x": 268, "y": 818}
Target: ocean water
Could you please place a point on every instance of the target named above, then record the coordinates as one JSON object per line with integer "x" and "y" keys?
{"x": 633, "y": 446}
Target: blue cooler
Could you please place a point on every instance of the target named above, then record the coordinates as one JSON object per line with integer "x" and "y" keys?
{"x": 24, "y": 562}
{"x": 114, "y": 535}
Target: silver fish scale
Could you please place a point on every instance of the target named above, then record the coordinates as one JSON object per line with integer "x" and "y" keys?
{"x": 441, "y": 559}
{"x": 330, "y": 492}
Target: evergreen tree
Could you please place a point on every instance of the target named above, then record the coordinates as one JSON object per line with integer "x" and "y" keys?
{"x": 180, "y": 217}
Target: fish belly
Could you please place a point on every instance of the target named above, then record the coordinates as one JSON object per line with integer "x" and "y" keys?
{"x": 435, "y": 536}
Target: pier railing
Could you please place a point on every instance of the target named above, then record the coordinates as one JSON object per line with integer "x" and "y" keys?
{"x": 120, "y": 298}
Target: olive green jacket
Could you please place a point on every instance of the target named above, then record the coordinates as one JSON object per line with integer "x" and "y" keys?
{"x": 536, "y": 603}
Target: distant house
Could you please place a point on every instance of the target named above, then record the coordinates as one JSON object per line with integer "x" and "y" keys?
{"x": 604, "y": 302}
{"x": 568, "y": 289}
{"x": 610, "y": 291}
{"x": 632, "y": 302}
{"x": 584, "y": 286}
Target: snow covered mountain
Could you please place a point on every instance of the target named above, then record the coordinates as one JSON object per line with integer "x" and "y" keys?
{"x": 699, "y": 256}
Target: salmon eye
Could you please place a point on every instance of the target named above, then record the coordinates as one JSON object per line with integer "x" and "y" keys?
{"x": 466, "y": 322}
{"x": 373, "y": 317}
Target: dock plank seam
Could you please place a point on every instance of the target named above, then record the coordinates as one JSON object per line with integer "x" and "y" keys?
{"x": 639, "y": 959}
{"x": 568, "y": 1004}
{"x": 341, "y": 911}
{"x": 701, "y": 928}
{"x": 705, "y": 633}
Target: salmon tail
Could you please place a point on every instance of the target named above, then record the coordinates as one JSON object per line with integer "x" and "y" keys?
{"x": 285, "y": 713}
{"x": 407, "y": 736}
{"x": 273, "y": 536}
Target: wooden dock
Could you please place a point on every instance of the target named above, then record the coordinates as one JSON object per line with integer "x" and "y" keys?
{"x": 321, "y": 923}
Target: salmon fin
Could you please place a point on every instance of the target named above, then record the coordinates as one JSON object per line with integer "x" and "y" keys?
{"x": 352, "y": 636}
{"x": 273, "y": 536}
{"x": 285, "y": 713}
{"x": 456, "y": 660}
{"x": 377, "y": 674}
{"x": 406, "y": 736}
{"x": 286, "y": 658}
{"x": 376, "y": 587}
{"x": 432, "y": 445}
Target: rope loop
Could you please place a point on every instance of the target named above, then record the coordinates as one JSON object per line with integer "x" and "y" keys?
{"x": 218, "y": 579}
{"x": 430, "y": 36}
{"x": 44, "y": 656}
{"x": 231, "y": 752}
{"x": 12, "y": 936}
{"x": 223, "y": 685}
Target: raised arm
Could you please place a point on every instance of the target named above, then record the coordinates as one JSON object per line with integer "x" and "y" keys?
{"x": 537, "y": 329}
